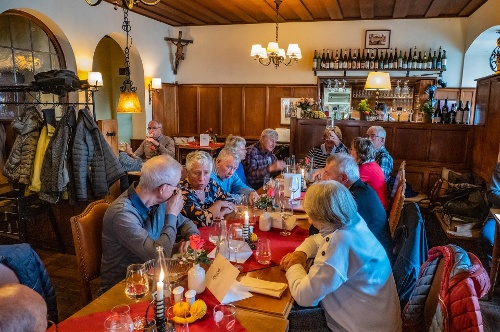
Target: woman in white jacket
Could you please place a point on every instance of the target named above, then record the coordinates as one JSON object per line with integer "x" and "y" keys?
{"x": 351, "y": 276}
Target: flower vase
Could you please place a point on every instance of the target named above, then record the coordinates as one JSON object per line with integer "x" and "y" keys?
{"x": 196, "y": 278}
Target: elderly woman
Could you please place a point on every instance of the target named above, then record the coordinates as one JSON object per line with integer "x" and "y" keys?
{"x": 351, "y": 276}
{"x": 363, "y": 151}
{"x": 238, "y": 145}
{"x": 223, "y": 173}
{"x": 261, "y": 161}
{"x": 204, "y": 199}
{"x": 332, "y": 143}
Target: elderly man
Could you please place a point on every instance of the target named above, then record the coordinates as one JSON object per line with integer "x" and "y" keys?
{"x": 224, "y": 174}
{"x": 343, "y": 168}
{"x": 21, "y": 309}
{"x": 377, "y": 135}
{"x": 155, "y": 144}
{"x": 261, "y": 161}
{"x": 144, "y": 216}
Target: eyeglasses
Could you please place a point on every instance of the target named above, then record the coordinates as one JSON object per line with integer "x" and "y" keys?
{"x": 372, "y": 136}
{"x": 149, "y": 128}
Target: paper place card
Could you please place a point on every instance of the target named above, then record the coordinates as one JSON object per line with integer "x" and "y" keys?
{"x": 220, "y": 279}
{"x": 274, "y": 289}
{"x": 243, "y": 254}
{"x": 204, "y": 139}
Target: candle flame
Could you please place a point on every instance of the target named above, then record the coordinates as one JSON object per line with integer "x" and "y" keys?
{"x": 162, "y": 275}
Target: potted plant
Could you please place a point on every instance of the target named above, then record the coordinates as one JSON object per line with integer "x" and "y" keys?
{"x": 365, "y": 112}
{"x": 305, "y": 104}
{"x": 427, "y": 111}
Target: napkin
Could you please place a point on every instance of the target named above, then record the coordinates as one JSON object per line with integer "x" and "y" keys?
{"x": 235, "y": 293}
{"x": 243, "y": 254}
{"x": 274, "y": 289}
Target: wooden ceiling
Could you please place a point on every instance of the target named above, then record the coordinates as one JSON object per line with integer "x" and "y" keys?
{"x": 222, "y": 12}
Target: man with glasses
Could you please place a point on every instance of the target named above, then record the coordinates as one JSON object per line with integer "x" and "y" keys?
{"x": 144, "y": 216}
{"x": 377, "y": 134}
{"x": 155, "y": 144}
{"x": 261, "y": 161}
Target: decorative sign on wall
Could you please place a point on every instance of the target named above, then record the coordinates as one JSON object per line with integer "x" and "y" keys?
{"x": 377, "y": 39}
{"x": 288, "y": 110}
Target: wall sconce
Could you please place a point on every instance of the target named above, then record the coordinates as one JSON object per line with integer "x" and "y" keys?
{"x": 154, "y": 85}
{"x": 95, "y": 81}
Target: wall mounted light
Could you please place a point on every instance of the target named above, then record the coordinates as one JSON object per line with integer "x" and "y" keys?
{"x": 95, "y": 81}
{"x": 154, "y": 86}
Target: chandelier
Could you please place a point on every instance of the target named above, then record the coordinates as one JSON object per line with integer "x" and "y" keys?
{"x": 129, "y": 101}
{"x": 126, "y": 3}
{"x": 273, "y": 53}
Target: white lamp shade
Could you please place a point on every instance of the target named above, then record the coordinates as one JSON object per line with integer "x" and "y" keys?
{"x": 293, "y": 49}
{"x": 281, "y": 53}
{"x": 95, "y": 78}
{"x": 272, "y": 47}
{"x": 156, "y": 83}
{"x": 263, "y": 53}
{"x": 378, "y": 81}
{"x": 256, "y": 49}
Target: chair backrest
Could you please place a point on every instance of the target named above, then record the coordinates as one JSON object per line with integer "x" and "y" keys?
{"x": 87, "y": 236}
{"x": 397, "y": 206}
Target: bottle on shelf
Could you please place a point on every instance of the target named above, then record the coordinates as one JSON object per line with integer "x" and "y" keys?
{"x": 400, "y": 60}
{"x": 323, "y": 60}
{"x": 314, "y": 60}
{"x": 429, "y": 60}
{"x": 362, "y": 60}
{"x": 444, "y": 111}
{"x": 438, "y": 61}
{"x": 327, "y": 59}
{"x": 332, "y": 61}
{"x": 376, "y": 60}
{"x": 415, "y": 59}
{"x": 349, "y": 60}
{"x": 345, "y": 59}
{"x": 367, "y": 60}
{"x": 424, "y": 61}
{"x": 372, "y": 60}
{"x": 437, "y": 113}
{"x": 460, "y": 113}
{"x": 354, "y": 60}
{"x": 466, "y": 117}
{"x": 336, "y": 60}
{"x": 395, "y": 59}
{"x": 434, "y": 61}
{"x": 419, "y": 61}
{"x": 405, "y": 61}
{"x": 453, "y": 114}
{"x": 386, "y": 60}
{"x": 443, "y": 60}
{"x": 410, "y": 61}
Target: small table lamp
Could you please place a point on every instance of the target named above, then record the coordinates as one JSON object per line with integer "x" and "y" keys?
{"x": 378, "y": 81}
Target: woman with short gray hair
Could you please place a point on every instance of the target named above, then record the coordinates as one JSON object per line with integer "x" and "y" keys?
{"x": 238, "y": 145}
{"x": 363, "y": 151}
{"x": 351, "y": 276}
{"x": 204, "y": 199}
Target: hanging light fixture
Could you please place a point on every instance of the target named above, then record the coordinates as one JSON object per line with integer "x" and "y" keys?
{"x": 129, "y": 101}
{"x": 126, "y": 3}
{"x": 273, "y": 53}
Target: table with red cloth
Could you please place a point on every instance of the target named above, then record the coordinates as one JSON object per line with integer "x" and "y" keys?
{"x": 182, "y": 150}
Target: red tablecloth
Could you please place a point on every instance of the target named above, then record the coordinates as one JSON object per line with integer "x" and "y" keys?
{"x": 95, "y": 321}
{"x": 280, "y": 245}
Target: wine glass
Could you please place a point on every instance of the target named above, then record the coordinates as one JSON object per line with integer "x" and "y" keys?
{"x": 123, "y": 309}
{"x": 286, "y": 211}
{"x": 218, "y": 232}
{"x": 117, "y": 323}
{"x": 242, "y": 202}
{"x": 136, "y": 282}
{"x": 294, "y": 187}
{"x": 236, "y": 242}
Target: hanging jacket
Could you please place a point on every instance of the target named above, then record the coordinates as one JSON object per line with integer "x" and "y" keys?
{"x": 20, "y": 162}
{"x": 463, "y": 282}
{"x": 55, "y": 168}
{"x": 96, "y": 167}
{"x": 43, "y": 141}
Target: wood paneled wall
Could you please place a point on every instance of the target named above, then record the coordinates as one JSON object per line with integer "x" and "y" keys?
{"x": 245, "y": 110}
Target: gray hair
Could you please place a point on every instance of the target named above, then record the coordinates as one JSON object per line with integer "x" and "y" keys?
{"x": 160, "y": 170}
{"x": 364, "y": 149}
{"x": 200, "y": 157}
{"x": 329, "y": 202}
{"x": 344, "y": 163}
{"x": 233, "y": 142}
{"x": 380, "y": 131}
{"x": 227, "y": 153}
{"x": 269, "y": 133}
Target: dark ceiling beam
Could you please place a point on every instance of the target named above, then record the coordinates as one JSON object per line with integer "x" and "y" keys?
{"x": 300, "y": 9}
{"x": 195, "y": 8}
{"x": 172, "y": 13}
{"x": 158, "y": 17}
{"x": 333, "y": 9}
{"x": 471, "y": 7}
{"x": 237, "y": 11}
{"x": 366, "y": 9}
{"x": 401, "y": 8}
{"x": 436, "y": 8}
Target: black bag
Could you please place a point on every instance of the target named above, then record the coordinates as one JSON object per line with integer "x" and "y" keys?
{"x": 467, "y": 204}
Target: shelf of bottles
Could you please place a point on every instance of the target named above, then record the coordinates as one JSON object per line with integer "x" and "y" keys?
{"x": 380, "y": 59}
{"x": 451, "y": 115}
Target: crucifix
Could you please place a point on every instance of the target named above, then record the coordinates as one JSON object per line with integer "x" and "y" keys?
{"x": 179, "y": 54}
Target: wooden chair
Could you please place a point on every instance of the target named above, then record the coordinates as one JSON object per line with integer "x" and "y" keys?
{"x": 87, "y": 234}
{"x": 398, "y": 199}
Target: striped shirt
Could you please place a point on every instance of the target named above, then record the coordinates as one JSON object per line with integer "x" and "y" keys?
{"x": 319, "y": 154}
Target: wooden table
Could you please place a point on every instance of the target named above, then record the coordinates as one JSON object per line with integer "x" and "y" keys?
{"x": 182, "y": 150}
{"x": 495, "y": 256}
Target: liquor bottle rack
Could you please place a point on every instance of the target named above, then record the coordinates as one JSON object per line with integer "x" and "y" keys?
{"x": 438, "y": 72}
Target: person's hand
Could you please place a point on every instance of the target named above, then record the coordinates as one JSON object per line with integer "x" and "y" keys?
{"x": 278, "y": 165}
{"x": 253, "y": 197}
{"x": 175, "y": 203}
{"x": 180, "y": 247}
{"x": 296, "y": 257}
{"x": 317, "y": 175}
{"x": 128, "y": 149}
{"x": 334, "y": 138}
{"x": 219, "y": 207}
{"x": 153, "y": 141}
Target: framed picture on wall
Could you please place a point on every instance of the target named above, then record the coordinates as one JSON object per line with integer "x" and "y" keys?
{"x": 288, "y": 110}
{"x": 377, "y": 38}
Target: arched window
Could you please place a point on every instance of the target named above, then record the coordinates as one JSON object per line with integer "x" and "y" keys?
{"x": 27, "y": 47}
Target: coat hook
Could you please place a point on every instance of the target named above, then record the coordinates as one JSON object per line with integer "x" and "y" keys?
{"x": 112, "y": 134}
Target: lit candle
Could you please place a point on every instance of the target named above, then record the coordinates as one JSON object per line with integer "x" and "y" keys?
{"x": 159, "y": 287}
{"x": 246, "y": 218}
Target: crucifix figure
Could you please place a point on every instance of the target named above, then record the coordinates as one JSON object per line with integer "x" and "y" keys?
{"x": 179, "y": 54}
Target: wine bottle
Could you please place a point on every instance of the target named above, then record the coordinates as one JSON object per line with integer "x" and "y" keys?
{"x": 336, "y": 60}
{"x": 376, "y": 59}
{"x": 410, "y": 61}
{"x": 466, "y": 114}
{"x": 434, "y": 61}
{"x": 443, "y": 60}
{"x": 323, "y": 60}
{"x": 429, "y": 60}
{"x": 400, "y": 60}
{"x": 437, "y": 113}
{"x": 314, "y": 60}
{"x": 390, "y": 60}
{"x": 341, "y": 60}
{"x": 405, "y": 61}
{"x": 460, "y": 113}
{"x": 372, "y": 60}
{"x": 345, "y": 60}
{"x": 444, "y": 111}
{"x": 395, "y": 59}
{"x": 453, "y": 114}
{"x": 438, "y": 62}
{"x": 415, "y": 59}
{"x": 419, "y": 60}
{"x": 367, "y": 60}
{"x": 354, "y": 60}
{"x": 381, "y": 60}
{"x": 362, "y": 60}
{"x": 332, "y": 60}
{"x": 327, "y": 60}
{"x": 424, "y": 61}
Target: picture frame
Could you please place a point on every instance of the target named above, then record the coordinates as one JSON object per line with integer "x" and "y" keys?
{"x": 378, "y": 39}
{"x": 288, "y": 110}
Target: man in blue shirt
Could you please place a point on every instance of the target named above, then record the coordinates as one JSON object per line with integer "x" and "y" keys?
{"x": 377, "y": 134}
{"x": 144, "y": 216}
{"x": 224, "y": 174}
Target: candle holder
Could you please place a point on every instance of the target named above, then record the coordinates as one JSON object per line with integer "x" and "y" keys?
{"x": 159, "y": 312}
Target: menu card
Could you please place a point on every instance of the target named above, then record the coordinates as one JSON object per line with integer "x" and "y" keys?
{"x": 204, "y": 139}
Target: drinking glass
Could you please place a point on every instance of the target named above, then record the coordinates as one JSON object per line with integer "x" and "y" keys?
{"x": 225, "y": 317}
{"x": 136, "y": 282}
{"x": 242, "y": 203}
{"x": 236, "y": 242}
{"x": 286, "y": 211}
{"x": 294, "y": 187}
{"x": 263, "y": 252}
{"x": 172, "y": 326}
{"x": 141, "y": 324}
{"x": 330, "y": 123}
{"x": 117, "y": 323}
{"x": 217, "y": 232}
{"x": 123, "y": 309}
